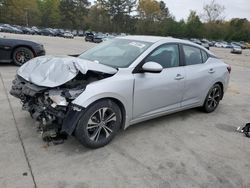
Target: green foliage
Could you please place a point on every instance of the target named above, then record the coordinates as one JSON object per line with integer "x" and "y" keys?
{"x": 98, "y": 19}
{"x": 18, "y": 11}
{"x": 49, "y": 12}
{"x": 72, "y": 13}
{"x": 193, "y": 26}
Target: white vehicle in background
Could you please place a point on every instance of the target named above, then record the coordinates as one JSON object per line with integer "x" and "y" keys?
{"x": 218, "y": 45}
{"x": 236, "y": 50}
{"x": 68, "y": 34}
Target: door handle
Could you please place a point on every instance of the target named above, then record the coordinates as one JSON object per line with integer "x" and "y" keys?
{"x": 179, "y": 77}
{"x": 211, "y": 71}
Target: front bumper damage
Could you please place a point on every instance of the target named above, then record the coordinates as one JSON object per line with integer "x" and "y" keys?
{"x": 55, "y": 113}
{"x": 48, "y": 96}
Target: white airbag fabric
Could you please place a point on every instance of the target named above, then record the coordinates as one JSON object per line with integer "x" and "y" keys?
{"x": 52, "y": 71}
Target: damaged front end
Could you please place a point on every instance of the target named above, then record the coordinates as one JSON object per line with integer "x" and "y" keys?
{"x": 52, "y": 106}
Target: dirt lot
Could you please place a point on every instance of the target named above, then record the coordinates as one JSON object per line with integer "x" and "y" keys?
{"x": 186, "y": 149}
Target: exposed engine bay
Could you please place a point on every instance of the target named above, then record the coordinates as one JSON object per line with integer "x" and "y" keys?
{"x": 52, "y": 106}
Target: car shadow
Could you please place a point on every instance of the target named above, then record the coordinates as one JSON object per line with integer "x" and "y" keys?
{"x": 7, "y": 65}
{"x": 182, "y": 115}
{"x": 72, "y": 145}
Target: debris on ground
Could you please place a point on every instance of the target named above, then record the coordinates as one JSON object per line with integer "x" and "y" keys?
{"x": 245, "y": 130}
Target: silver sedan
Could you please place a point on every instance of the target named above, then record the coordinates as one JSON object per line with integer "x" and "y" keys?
{"x": 118, "y": 83}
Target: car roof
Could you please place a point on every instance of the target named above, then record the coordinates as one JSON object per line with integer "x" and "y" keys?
{"x": 145, "y": 38}
{"x": 155, "y": 39}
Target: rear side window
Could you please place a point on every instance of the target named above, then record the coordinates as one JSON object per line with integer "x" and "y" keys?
{"x": 204, "y": 56}
{"x": 192, "y": 55}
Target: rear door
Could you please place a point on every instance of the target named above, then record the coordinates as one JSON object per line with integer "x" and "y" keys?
{"x": 199, "y": 75}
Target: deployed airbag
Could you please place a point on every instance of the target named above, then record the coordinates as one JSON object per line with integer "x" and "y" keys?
{"x": 52, "y": 71}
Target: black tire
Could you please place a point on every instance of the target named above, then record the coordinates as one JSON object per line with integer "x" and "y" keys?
{"x": 93, "y": 132}
{"x": 21, "y": 55}
{"x": 213, "y": 98}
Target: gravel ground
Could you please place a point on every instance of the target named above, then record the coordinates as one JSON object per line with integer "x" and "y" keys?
{"x": 186, "y": 149}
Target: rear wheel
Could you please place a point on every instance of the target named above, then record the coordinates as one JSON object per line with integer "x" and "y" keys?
{"x": 99, "y": 124}
{"x": 21, "y": 55}
{"x": 213, "y": 98}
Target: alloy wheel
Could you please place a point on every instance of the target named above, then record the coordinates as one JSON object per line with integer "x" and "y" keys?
{"x": 214, "y": 98}
{"x": 22, "y": 55}
{"x": 100, "y": 124}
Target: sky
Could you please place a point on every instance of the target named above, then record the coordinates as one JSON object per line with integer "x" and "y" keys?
{"x": 233, "y": 8}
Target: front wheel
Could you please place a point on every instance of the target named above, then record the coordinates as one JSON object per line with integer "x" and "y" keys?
{"x": 99, "y": 124}
{"x": 213, "y": 98}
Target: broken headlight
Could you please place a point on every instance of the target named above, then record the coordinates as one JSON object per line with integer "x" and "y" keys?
{"x": 57, "y": 99}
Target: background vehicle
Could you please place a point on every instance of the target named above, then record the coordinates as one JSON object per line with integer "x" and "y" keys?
{"x": 59, "y": 32}
{"x": 247, "y": 45}
{"x": 243, "y": 46}
{"x": 68, "y": 34}
{"x": 203, "y": 42}
{"x": 27, "y": 30}
{"x": 218, "y": 45}
{"x": 236, "y": 50}
{"x": 109, "y": 86}
{"x": 205, "y": 45}
{"x": 5, "y": 29}
{"x": 89, "y": 36}
{"x": 196, "y": 41}
{"x": 19, "y": 51}
{"x": 10, "y": 29}
{"x": 37, "y": 31}
{"x": 47, "y": 32}
{"x": 98, "y": 38}
{"x": 210, "y": 43}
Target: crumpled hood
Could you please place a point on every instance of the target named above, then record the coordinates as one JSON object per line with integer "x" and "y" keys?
{"x": 52, "y": 71}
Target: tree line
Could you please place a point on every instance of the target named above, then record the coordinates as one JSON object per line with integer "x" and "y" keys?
{"x": 149, "y": 17}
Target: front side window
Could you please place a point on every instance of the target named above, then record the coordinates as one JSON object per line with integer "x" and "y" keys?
{"x": 118, "y": 53}
{"x": 192, "y": 55}
{"x": 166, "y": 55}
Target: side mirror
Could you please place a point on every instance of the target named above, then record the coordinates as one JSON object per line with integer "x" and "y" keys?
{"x": 152, "y": 67}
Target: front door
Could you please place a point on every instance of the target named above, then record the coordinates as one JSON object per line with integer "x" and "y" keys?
{"x": 158, "y": 92}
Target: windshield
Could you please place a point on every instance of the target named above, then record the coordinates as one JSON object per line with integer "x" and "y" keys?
{"x": 118, "y": 53}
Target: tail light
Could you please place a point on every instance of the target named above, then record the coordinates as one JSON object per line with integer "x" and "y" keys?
{"x": 229, "y": 69}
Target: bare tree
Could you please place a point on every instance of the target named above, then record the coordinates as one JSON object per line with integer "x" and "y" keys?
{"x": 213, "y": 12}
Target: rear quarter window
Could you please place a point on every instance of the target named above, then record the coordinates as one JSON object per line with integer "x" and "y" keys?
{"x": 192, "y": 55}
{"x": 204, "y": 56}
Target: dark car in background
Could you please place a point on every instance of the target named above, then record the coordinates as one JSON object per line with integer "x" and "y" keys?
{"x": 89, "y": 36}
{"x": 26, "y": 30}
{"x": 10, "y": 29}
{"x": 19, "y": 51}
{"x": 47, "y": 32}
{"x": 58, "y": 32}
{"x": 203, "y": 43}
{"x": 37, "y": 31}
{"x": 5, "y": 29}
{"x": 98, "y": 38}
{"x": 94, "y": 37}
